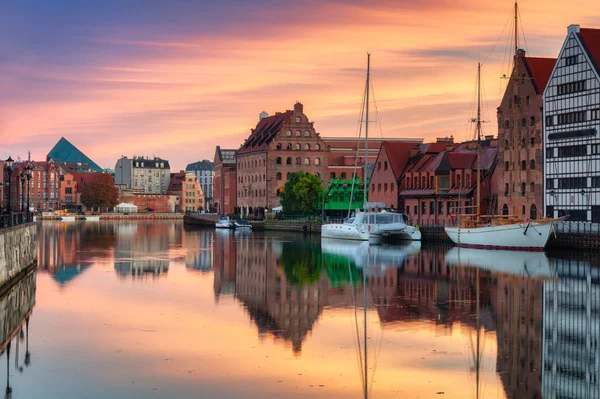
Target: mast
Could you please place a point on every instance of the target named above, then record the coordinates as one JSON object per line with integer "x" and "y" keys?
{"x": 366, "y": 382}
{"x": 478, "y": 354}
{"x": 366, "y": 133}
{"x": 478, "y": 141}
{"x": 516, "y": 151}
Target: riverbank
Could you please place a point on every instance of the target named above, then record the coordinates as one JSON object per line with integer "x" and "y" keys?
{"x": 18, "y": 251}
{"x": 110, "y": 216}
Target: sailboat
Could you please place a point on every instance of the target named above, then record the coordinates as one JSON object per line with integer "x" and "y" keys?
{"x": 354, "y": 227}
{"x": 497, "y": 231}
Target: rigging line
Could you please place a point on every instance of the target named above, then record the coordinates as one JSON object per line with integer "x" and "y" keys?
{"x": 360, "y": 362}
{"x": 497, "y": 41}
{"x": 506, "y": 51}
{"x": 523, "y": 30}
{"x": 376, "y": 359}
{"x": 376, "y": 109}
{"x": 360, "y": 118}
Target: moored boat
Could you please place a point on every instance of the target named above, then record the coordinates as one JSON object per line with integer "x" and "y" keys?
{"x": 241, "y": 224}
{"x": 224, "y": 223}
{"x": 387, "y": 224}
{"x": 353, "y": 228}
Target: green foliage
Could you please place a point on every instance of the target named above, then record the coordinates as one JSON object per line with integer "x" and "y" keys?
{"x": 99, "y": 191}
{"x": 302, "y": 263}
{"x": 302, "y": 193}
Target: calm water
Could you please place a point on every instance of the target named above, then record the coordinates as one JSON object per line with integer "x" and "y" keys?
{"x": 154, "y": 310}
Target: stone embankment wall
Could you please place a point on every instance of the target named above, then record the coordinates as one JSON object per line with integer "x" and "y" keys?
{"x": 141, "y": 216}
{"x": 18, "y": 250}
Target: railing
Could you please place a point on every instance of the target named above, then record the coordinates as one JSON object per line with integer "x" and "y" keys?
{"x": 15, "y": 219}
{"x": 578, "y": 227}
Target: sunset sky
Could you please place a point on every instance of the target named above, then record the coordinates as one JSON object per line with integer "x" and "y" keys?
{"x": 176, "y": 78}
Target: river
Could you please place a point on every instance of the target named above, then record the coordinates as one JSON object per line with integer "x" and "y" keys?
{"x": 157, "y": 310}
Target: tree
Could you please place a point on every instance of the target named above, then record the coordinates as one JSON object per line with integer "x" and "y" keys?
{"x": 99, "y": 191}
{"x": 302, "y": 193}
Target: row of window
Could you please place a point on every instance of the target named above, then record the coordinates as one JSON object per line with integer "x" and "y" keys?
{"x": 385, "y": 165}
{"x": 440, "y": 209}
{"x": 255, "y": 163}
{"x": 573, "y": 182}
{"x": 571, "y": 87}
{"x": 517, "y": 101}
{"x": 252, "y": 178}
{"x": 523, "y": 165}
{"x": 279, "y": 176}
{"x": 523, "y": 187}
{"x": 298, "y": 147}
{"x": 385, "y": 187}
{"x": 458, "y": 181}
{"x": 572, "y": 151}
{"x": 572, "y": 60}
{"x": 190, "y": 200}
{"x": 523, "y": 122}
{"x": 572, "y": 117}
{"x": 307, "y": 161}
{"x": 298, "y": 133}
{"x": 523, "y": 143}
{"x": 342, "y": 175}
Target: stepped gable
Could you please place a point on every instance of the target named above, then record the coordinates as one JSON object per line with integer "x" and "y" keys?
{"x": 65, "y": 152}
{"x": 264, "y": 132}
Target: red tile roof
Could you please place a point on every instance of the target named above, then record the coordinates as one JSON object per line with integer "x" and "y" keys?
{"x": 462, "y": 160}
{"x": 433, "y": 147}
{"x": 540, "y": 70}
{"x": 433, "y": 163}
{"x": 398, "y": 153}
{"x": 591, "y": 40}
{"x": 265, "y": 132}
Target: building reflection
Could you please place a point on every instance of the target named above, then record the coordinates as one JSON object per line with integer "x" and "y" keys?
{"x": 198, "y": 250}
{"x": 16, "y": 306}
{"x": 571, "y": 331}
{"x": 224, "y": 252}
{"x": 142, "y": 248}
{"x": 65, "y": 250}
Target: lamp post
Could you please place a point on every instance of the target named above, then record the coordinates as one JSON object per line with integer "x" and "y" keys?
{"x": 9, "y": 170}
{"x": 28, "y": 175}
{"x": 22, "y": 191}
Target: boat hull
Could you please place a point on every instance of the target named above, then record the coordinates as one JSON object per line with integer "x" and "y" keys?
{"x": 524, "y": 236}
{"x": 344, "y": 232}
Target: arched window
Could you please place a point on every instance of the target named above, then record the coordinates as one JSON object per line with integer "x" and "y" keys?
{"x": 378, "y": 187}
{"x": 318, "y": 175}
{"x": 506, "y": 189}
{"x": 379, "y": 165}
{"x": 298, "y": 134}
{"x": 533, "y": 212}
{"x": 317, "y": 161}
{"x": 264, "y": 177}
{"x": 297, "y": 119}
{"x": 307, "y": 147}
{"x": 385, "y": 165}
{"x": 288, "y": 133}
{"x": 506, "y": 165}
{"x": 533, "y": 141}
{"x": 317, "y": 147}
{"x": 298, "y": 161}
{"x": 532, "y": 187}
{"x": 523, "y": 191}
{"x": 532, "y": 164}
{"x": 297, "y": 146}
{"x": 279, "y": 146}
{"x": 505, "y": 209}
{"x": 373, "y": 187}
{"x": 289, "y": 161}
{"x": 385, "y": 186}
{"x": 307, "y": 134}
{"x": 343, "y": 176}
{"x": 332, "y": 175}
{"x": 523, "y": 165}
{"x": 523, "y": 210}
{"x": 532, "y": 121}
{"x": 288, "y": 147}
{"x": 506, "y": 144}
{"x": 278, "y": 161}
{"x": 278, "y": 175}
{"x": 408, "y": 180}
{"x": 528, "y": 101}
{"x": 306, "y": 161}
{"x": 523, "y": 122}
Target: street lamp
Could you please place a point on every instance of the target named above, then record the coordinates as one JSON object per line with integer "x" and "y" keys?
{"x": 28, "y": 174}
{"x": 9, "y": 169}
{"x": 22, "y": 191}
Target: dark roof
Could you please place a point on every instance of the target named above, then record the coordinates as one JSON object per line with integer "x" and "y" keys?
{"x": 591, "y": 41}
{"x": 226, "y": 156}
{"x": 540, "y": 70}
{"x": 264, "y": 132}
{"x": 64, "y": 151}
{"x": 200, "y": 165}
{"x": 150, "y": 162}
{"x": 398, "y": 153}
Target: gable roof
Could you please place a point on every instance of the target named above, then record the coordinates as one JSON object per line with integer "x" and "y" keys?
{"x": 264, "y": 132}
{"x": 591, "y": 40}
{"x": 65, "y": 152}
{"x": 398, "y": 153}
{"x": 540, "y": 70}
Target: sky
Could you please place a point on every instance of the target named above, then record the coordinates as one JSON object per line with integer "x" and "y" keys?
{"x": 175, "y": 78}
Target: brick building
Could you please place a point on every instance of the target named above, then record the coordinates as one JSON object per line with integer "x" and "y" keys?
{"x": 43, "y": 186}
{"x": 186, "y": 187}
{"x": 387, "y": 179}
{"x": 441, "y": 183}
{"x": 224, "y": 182}
{"x": 520, "y": 153}
{"x": 343, "y": 154}
{"x": 279, "y": 145}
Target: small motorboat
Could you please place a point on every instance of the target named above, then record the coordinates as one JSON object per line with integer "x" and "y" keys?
{"x": 241, "y": 224}
{"x": 224, "y": 223}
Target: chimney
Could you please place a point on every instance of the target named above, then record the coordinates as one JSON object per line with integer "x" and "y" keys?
{"x": 298, "y": 108}
{"x": 573, "y": 29}
{"x": 445, "y": 140}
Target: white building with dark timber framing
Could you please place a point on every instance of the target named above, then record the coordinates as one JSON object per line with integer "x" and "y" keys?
{"x": 571, "y": 108}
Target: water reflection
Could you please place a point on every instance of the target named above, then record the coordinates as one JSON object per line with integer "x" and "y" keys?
{"x": 16, "y": 306}
{"x": 469, "y": 323}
